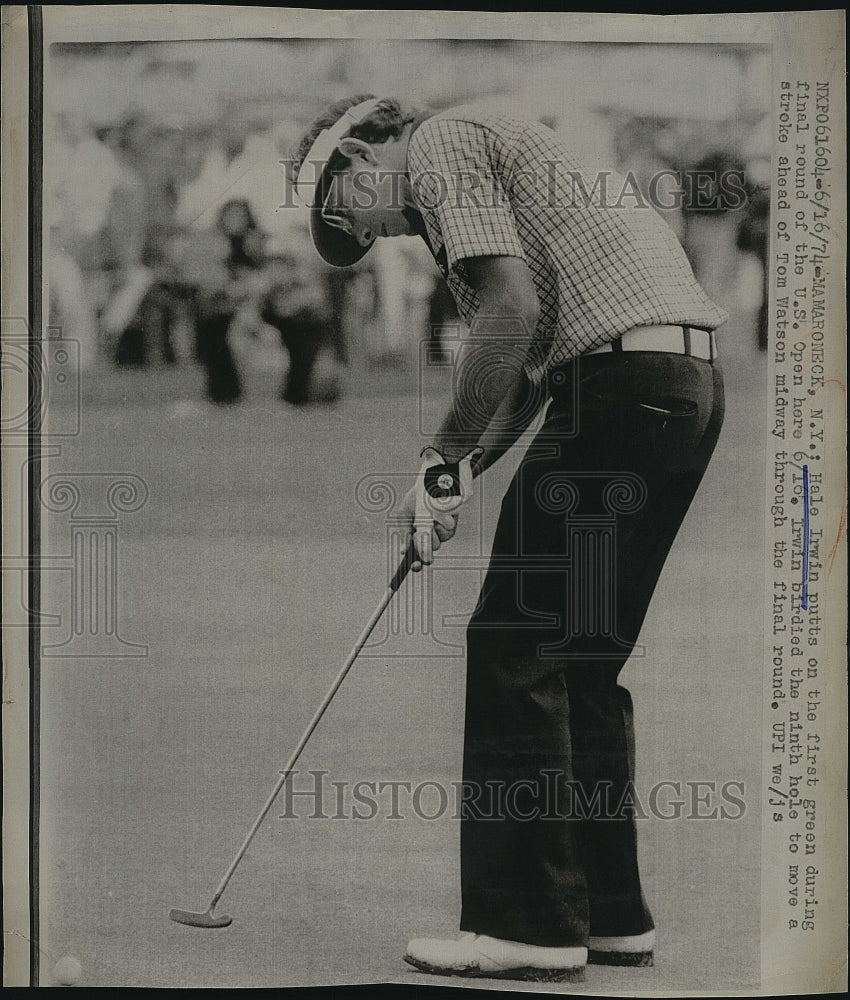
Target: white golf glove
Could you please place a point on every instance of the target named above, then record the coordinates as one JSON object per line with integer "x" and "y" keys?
{"x": 441, "y": 488}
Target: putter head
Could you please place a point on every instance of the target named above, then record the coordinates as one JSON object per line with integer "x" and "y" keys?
{"x": 208, "y": 919}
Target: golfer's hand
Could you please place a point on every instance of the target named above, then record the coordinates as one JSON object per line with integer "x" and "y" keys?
{"x": 442, "y": 528}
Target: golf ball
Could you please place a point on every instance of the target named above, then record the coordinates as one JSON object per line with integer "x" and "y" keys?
{"x": 67, "y": 971}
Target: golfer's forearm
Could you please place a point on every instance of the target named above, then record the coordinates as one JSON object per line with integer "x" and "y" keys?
{"x": 507, "y": 425}
{"x": 456, "y": 437}
{"x": 492, "y": 419}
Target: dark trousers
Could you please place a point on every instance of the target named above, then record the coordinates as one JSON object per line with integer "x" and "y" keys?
{"x": 548, "y": 836}
{"x": 303, "y": 341}
{"x": 223, "y": 384}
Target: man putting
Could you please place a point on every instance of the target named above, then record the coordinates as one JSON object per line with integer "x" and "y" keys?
{"x": 578, "y": 295}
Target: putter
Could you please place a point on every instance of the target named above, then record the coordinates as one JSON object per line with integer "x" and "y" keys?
{"x": 445, "y": 488}
{"x": 209, "y": 918}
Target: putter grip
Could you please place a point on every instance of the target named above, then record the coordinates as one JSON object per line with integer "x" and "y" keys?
{"x": 410, "y": 557}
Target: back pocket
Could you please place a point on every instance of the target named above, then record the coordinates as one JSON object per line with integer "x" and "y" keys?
{"x": 666, "y": 406}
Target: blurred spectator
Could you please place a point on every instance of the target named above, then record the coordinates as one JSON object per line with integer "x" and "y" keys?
{"x": 221, "y": 295}
{"x": 295, "y": 302}
{"x": 201, "y": 199}
{"x": 82, "y": 176}
{"x": 753, "y": 238}
{"x": 243, "y": 165}
{"x": 242, "y": 162}
{"x": 241, "y": 290}
{"x": 165, "y": 155}
{"x": 84, "y": 173}
{"x": 646, "y": 147}
{"x": 125, "y": 280}
{"x": 713, "y": 216}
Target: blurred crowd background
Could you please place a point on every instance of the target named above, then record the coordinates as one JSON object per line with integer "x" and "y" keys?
{"x": 174, "y": 242}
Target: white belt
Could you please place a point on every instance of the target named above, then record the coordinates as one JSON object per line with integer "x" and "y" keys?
{"x": 689, "y": 340}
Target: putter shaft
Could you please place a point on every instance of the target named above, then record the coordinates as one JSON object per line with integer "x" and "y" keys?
{"x": 395, "y": 583}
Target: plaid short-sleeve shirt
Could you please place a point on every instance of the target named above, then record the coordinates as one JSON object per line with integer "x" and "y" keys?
{"x": 602, "y": 260}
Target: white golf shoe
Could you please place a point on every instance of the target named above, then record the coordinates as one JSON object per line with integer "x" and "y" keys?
{"x": 635, "y": 950}
{"x": 492, "y": 958}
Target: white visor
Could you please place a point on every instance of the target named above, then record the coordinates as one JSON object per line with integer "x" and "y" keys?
{"x": 314, "y": 163}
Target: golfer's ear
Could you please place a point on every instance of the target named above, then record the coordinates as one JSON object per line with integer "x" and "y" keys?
{"x": 356, "y": 149}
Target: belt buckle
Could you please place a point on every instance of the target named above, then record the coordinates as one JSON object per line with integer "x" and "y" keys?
{"x": 712, "y": 346}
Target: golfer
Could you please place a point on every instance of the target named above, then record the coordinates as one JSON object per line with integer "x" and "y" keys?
{"x": 579, "y": 298}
